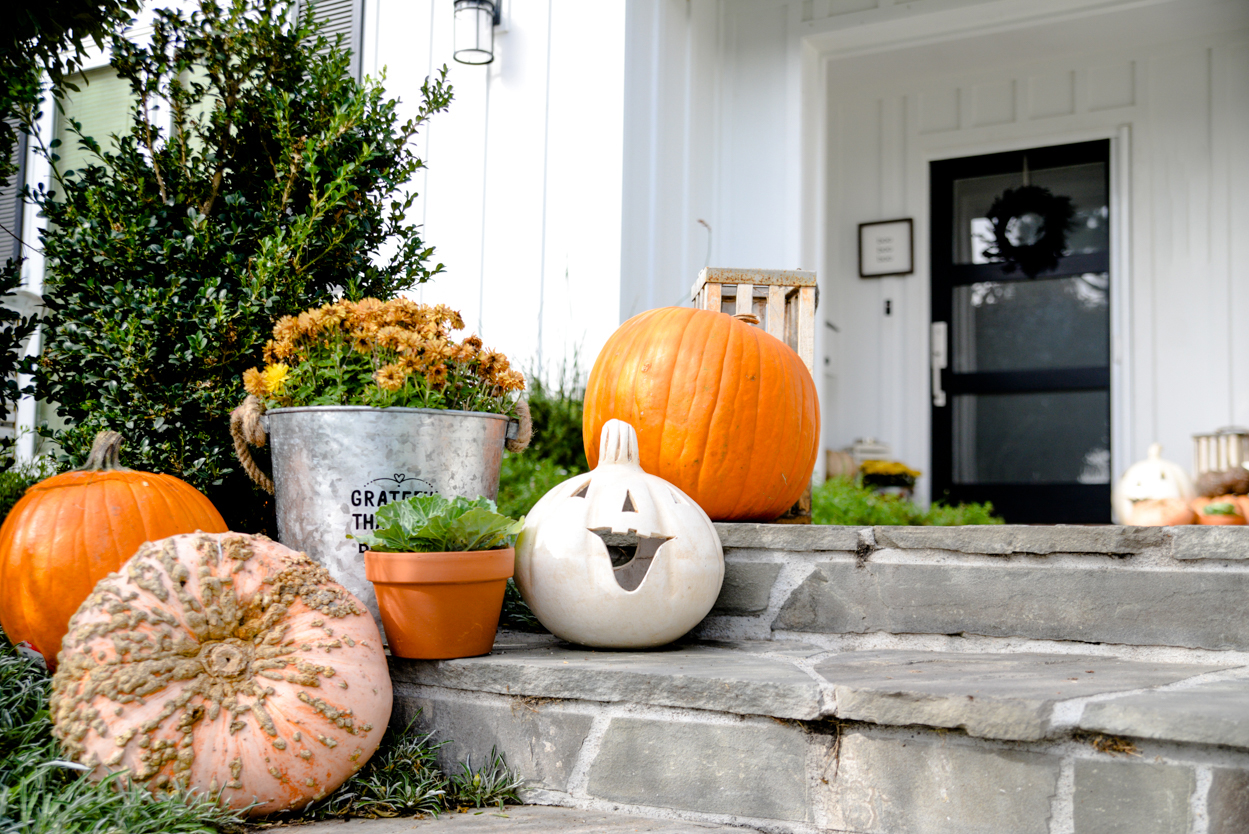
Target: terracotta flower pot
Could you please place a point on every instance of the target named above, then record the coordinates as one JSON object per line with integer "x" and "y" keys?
{"x": 440, "y": 605}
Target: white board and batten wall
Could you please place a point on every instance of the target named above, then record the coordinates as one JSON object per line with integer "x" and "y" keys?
{"x": 521, "y": 198}
{"x": 786, "y": 123}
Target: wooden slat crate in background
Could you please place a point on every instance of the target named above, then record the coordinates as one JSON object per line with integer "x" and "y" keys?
{"x": 784, "y": 302}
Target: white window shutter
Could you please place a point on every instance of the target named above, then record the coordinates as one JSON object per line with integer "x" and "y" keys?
{"x": 102, "y": 105}
{"x": 11, "y": 199}
{"x": 342, "y": 17}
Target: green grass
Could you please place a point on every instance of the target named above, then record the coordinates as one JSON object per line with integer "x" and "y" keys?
{"x": 40, "y": 793}
{"x": 402, "y": 778}
{"x": 843, "y": 501}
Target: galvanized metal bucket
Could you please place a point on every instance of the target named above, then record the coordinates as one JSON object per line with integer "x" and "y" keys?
{"x": 333, "y": 466}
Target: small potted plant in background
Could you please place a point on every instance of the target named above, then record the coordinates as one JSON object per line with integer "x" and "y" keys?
{"x": 888, "y": 477}
{"x": 440, "y": 568}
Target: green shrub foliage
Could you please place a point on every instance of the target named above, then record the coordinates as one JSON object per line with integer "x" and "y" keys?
{"x": 556, "y": 452}
{"x": 846, "y": 501}
{"x": 279, "y": 186}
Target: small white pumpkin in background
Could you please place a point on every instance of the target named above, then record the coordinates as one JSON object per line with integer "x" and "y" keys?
{"x": 617, "y": 558}
{"x": 1147, "y": 480}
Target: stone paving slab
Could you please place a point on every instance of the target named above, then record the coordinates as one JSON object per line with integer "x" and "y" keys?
{"x": 1209, "y": 713}
{"x": 1195, "y": 541}
{"x": 1095, "y": 604}
{"x": 1006, "y": 539}
{"x": 916, "y": 786}
{"x": 754, "y": 768}
{"x": 1132, "y": 797}
{"x": 792, "y": 538}
{"x": 695, "y": 676}
{"x": 1004, "y": 696}
{"x": 747, "y": 587}
{"x": 999, "y": 696}
{"x": 532, "y": 818}
{"x": 541, "y": 741}
{"x": 1185, "y": 542}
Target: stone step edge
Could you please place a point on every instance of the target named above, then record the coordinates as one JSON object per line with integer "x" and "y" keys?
{"x": 1182, "y": 703}
{"x": 1184, "y": 543}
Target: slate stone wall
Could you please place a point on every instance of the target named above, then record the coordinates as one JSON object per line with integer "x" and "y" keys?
{"x": 849, "y": 777}
{"x": 1181, "y": 587}
{"x": 986, "y": 680}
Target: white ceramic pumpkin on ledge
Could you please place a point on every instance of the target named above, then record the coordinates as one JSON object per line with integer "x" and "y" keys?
{"x": 1148, "y": 480}
{"x": 617, "y": 558}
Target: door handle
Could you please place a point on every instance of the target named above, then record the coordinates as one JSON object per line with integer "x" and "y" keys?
{"x": 940, "y": 361}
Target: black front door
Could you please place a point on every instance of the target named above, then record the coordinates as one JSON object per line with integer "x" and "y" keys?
{"x": 1021, "y": 332}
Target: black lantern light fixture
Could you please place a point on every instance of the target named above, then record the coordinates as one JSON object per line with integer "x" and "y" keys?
{"x": 474, "y": 30}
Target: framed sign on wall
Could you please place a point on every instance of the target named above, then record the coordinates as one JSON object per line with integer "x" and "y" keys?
{"x": 886, "y": 247}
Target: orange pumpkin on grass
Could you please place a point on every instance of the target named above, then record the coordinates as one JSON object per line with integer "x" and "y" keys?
{"x": 71, "y": 530}
{"x": 724, "y": 412}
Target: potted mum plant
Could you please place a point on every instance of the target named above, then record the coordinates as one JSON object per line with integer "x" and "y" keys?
{"x": 888, "y": 477}
{"x": 368, "y": 403}
{"x": 440, "y": 569}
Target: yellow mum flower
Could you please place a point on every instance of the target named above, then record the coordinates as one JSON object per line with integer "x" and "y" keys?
{"x": 390, "y": 377}
{"x": 274, "y": 377}
{"x": 254, "y": 383}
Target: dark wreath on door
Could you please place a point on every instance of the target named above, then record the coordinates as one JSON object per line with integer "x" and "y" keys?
{"x": 1021, "y": 332}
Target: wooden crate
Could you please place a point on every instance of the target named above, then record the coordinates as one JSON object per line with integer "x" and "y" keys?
{"x": 784, "y": 301}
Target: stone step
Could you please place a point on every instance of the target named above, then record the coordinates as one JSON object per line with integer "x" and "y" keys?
{"x": 514, "y": 818}
{"x": 790, "y": 737}
{"x": 1185, "y": 588}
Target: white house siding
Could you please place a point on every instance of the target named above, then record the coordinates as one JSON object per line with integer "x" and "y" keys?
{"x": 826, "y": 113}
{"x": 523, "y": 191}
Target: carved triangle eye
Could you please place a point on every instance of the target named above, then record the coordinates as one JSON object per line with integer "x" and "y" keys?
{"x": 581, "y": 492}
{"x": 628, "y": 504}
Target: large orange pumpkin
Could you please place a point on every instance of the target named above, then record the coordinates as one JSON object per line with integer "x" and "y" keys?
{"x": 71, "y": 530}
{"x": 723, "y": 411}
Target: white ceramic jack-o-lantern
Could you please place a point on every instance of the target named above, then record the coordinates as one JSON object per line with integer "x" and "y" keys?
{"x": 617, "y": 558}
{"x": 1147, "y": 480}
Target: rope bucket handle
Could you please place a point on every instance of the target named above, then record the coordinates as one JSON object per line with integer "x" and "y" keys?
{"x": 520, "y": 429}
{"x": 247, "y": 429}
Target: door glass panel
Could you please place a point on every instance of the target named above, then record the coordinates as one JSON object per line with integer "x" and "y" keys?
{"x": 1085, "y": 184}
{"x": 1032, "y": 325}
{"x": 1042, "y": 438}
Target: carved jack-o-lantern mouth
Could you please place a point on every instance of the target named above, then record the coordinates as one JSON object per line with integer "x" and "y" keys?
{"x": 631, "y": 554}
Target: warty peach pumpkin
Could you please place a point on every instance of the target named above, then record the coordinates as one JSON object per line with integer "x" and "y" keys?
{"x": 225, "y": 664}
